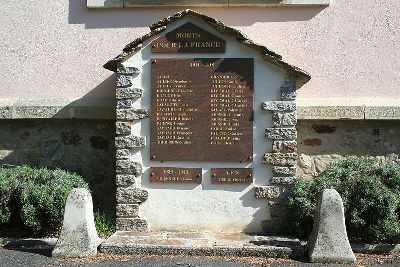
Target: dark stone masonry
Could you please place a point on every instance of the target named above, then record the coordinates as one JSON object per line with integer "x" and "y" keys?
{"x": 327, "y": 141}
{"x": 82, "y": 146}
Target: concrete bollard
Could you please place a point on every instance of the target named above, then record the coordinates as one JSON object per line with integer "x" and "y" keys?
{"x": 78, "y": 236}
{"x": 328, "y": 242}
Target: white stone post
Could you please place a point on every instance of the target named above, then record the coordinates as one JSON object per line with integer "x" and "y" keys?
{"x": 78, "y": 236}
{"x": 328, "y": 242}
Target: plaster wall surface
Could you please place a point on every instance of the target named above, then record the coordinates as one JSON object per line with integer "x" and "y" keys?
{"x": 56, "y": 49}
{"x": 211, "y": 207}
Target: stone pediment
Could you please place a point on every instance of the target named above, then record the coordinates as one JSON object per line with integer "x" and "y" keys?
{"x": 193, "y": 112}
{"x": 160, "y": 26}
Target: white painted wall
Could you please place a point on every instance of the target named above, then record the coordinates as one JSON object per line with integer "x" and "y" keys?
{"x": 220, "y": 208}
{"x": 56, "y": 49}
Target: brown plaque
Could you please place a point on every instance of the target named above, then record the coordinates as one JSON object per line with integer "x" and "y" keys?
{"x": 175, "y": 175}
{"x": 201, "y": 109}
{"x": 232, "y": 176}
{"x": 188, "y": 38}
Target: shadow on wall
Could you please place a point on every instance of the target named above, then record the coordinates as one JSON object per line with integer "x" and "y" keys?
{"x": 81, "y": 145}
{"x": 136, "y": 17}
{"x": 98, "y": 102}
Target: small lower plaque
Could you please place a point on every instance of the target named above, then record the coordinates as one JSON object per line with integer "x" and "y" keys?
{"x": 175, "y": 175}
{"x": 232, "y": 176}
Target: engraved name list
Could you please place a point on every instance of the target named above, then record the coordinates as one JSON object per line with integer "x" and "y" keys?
{"x": 201, "y": 109}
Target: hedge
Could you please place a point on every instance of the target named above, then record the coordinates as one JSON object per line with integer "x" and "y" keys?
{"x": 34, "y": 198}
{"x": 371, "y": 196}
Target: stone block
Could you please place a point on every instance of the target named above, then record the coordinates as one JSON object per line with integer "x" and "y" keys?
{"x": 328, "y": 242}
{"x": 277, "y": 209}
{"x": 280, "y": 158}
{"x": 127, "y": 210}
{"x": 282, "y": 180}
{"x": 284, "y": 119}
{"x": 125, "y": 166}
{"x": 330, "y": 112}
{"x": 124, "y": 80}
{"x": 125, "y": 70}
{"x": 124, "y": 103}
{"x": 132, "y": 113}
{"x": 123, "y": 153}
{"x": 123, "y": 127}
{"x": 288, "y": 91}
{"x": 130, "y": 141}
{"x": 131, "y": 195}
{"x": 132, "y": 224}
{"x": 176, "y": 3}
{"x": 382, "y": 113}
{"x": 78, "y": 236}
{"x": 281, "y": 133}
{"x": 104, "y": 3}
{"x": 81, "y": 111}
{"x": 284, "y": 146}
{"x": 267, "y": 192}
{"x": 312, "y": 142}
{"x": 284, "y": 170}
{"x": 274, "y": 3}
{"x": 56, "y": 108}
{"x": 5, "y": 113}
{"x": 278, "y": 106}
{"x": 272, "y": 226}
{"x": 38, "y": 112}
{"x": 125, "y": 180}
{"x": 323, "y": 161}
{"x": 128, "y": 93}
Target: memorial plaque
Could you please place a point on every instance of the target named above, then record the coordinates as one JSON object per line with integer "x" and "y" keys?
{"x": 188, "y": 38}
{"x": 232, "y": 176}
{"x": 201, "y": 109}
{"x": 175, "y": 175}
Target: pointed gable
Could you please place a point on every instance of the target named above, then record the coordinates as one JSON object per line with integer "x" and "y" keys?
{"x": 269, "y": 56}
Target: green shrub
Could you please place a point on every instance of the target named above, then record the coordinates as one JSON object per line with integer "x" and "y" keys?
{"x": 104, "y": 225}
{"x": 35, "y": 198}
{"x": 370, "y": 193}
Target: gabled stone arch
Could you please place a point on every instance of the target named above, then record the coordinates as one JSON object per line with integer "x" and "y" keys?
{"x": 282, "y": 132}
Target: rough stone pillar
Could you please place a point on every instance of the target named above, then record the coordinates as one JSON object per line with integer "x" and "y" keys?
{"x": 78, "y": 236}
{"x": 129, "y": 196}
{"x": 328, "y": 242}
{"x": 283, "y": 157}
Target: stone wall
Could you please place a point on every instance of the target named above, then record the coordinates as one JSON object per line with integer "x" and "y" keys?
{"x": 82, "y": 146}
{"x": 283, "y": 156}
{"x": 321, "y": 142}
{"x": 129, "y": 193}
{"x": 87, "y": 147}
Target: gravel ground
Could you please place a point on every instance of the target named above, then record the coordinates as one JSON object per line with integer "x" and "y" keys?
{"x": 39, "y": 256}
{"x": 12, "y": 258}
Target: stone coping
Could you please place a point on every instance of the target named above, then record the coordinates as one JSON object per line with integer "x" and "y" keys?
{"x": 202, "y": 3}
{"x": 348, "y": 108}
{"x": 57, "y": 109}
{"x": 308, "y": 109}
